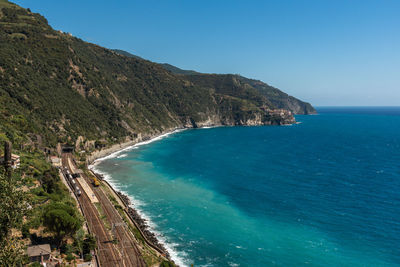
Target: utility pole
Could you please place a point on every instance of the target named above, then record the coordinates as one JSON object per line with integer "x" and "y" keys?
{"x": 7, "y": 159}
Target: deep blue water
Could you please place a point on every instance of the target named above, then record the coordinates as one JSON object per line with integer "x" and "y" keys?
{"x": 325, "y": 192}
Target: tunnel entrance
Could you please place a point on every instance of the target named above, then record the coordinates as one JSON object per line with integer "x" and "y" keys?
{"x": 67, "y": 149}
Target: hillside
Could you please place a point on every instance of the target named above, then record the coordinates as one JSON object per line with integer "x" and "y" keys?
{"x": 55, "y": 87}
{"x": 177, "y": 70}
{"x": 124, "y": 53}
{"x": 239, "y": 85}
{"x": 220, "y": 83}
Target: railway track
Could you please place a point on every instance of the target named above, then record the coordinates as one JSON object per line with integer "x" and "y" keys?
{"x": 127, "y": 246}
{"x": 106, "y": 251}
{"x": 126, "y": 241}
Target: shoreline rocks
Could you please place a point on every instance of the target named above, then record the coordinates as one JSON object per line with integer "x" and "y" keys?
{"x": 142, "y": 224}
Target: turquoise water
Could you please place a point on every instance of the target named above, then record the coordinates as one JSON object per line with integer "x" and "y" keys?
{"x": 325, "y": 192}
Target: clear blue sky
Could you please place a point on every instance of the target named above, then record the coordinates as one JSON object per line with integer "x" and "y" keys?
{"x": 337, "y": 52}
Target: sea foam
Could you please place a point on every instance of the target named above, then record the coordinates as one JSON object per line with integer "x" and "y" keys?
{"x": 179, "y": 257}
{"x": 135, "y": 146}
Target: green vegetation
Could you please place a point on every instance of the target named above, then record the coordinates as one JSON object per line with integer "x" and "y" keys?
{"x": 176, "y": 70}
{"x": 236, "y": 85}
{"x": 61, "y": 219}
{"x": 260, "y": 93}
{"x": 82, "y": 246}
{"x": 167, "y": 264}
{"x": 103, "y": 216}
{"x": 55, "y": 87}
{"x": 13, "y": 206}
{"x": 35, "y": 207}
{"x": 89, "y": 244}
{"x": 50, "y": 180}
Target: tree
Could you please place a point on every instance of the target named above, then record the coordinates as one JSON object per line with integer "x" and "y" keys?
{"x": 50, "y": 180}
{"x": 13, "y": 206}
{"x": 89, "y": 244}
{"x": 79, "y": 241}
{"x": 61, "y": 219}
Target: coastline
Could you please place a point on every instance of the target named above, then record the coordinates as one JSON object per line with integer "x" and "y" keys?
{"x": 135, "y": 218}
{"x": 110, "y": 152}
{"x": 141, "y": 220}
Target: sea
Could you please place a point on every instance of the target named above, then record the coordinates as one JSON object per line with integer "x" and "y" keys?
{"x": 323, "y": 192}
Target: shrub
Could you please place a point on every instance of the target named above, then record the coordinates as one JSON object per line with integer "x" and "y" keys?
{"x": 66, "y": 249}
{"x": 70, "y": 257}
{"x": 167, "y": 264}
{"x": 89, "y": 243}
{"x": 25, "y": 231}
{"x": 87, "y": 257}
{"x": 50, "y": 180}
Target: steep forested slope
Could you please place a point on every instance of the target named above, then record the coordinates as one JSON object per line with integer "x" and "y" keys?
{"x": 55, "y": 87}
{"x": 236, "y": 83}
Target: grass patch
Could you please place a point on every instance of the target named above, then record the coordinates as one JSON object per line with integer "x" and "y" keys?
{"x": 103, "y": 216}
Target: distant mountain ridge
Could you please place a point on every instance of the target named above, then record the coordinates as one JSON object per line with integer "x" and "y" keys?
{"x": 177, "y": 70}
{"x": 124, "y": 53}
{"x": 275, "y": 96}
{"x": 57, "y": 88}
